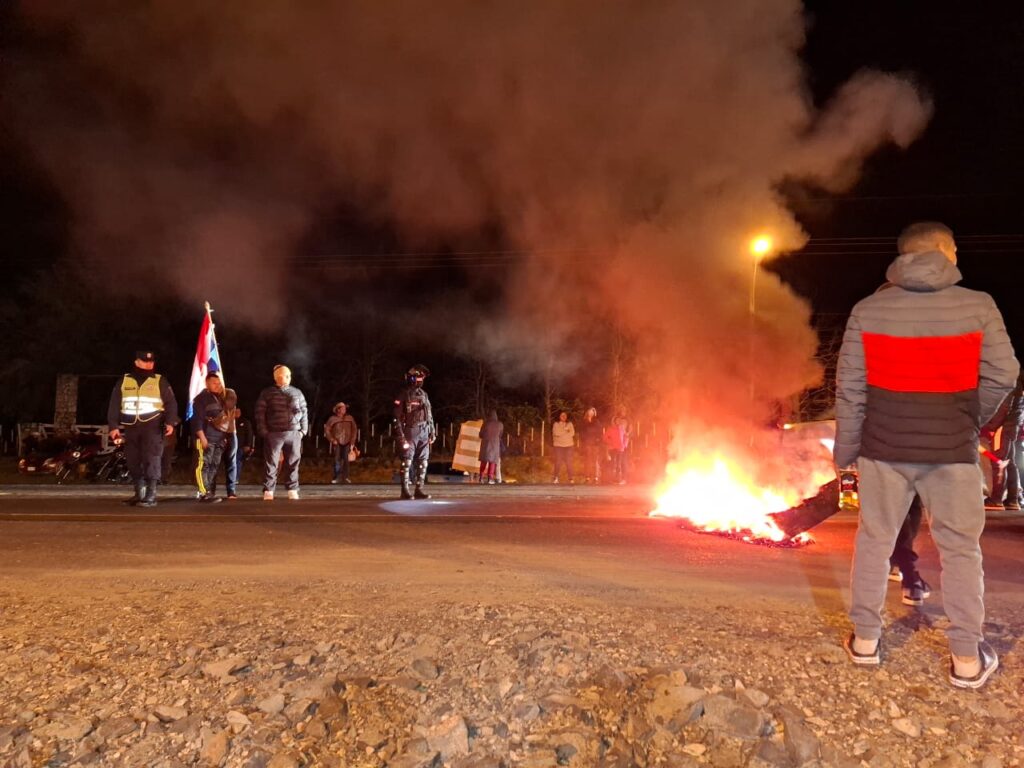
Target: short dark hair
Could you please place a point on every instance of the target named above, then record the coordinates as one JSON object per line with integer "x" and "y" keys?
{"x": 212, "y": 375}
{"x": 921, "y": 230}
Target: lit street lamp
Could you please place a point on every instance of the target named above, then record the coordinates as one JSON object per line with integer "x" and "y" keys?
{"x": 760, "y": 248}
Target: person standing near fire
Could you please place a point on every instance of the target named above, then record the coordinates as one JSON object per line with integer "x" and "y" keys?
{"x": 1003, "y": 434}
{"x": 592, "y": 446}
{"x": 490, "y": 447}
{"x": 143, "y": 411}
{"x": 616, "y": 438}
{"x": 415, "y": 432}
{"x": 923, "y": 365}
{"x": 563, "y": 439}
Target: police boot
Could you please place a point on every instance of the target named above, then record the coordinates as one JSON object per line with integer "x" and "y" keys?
{"x": 140, "y": 491}
{"x": 149, "y": 500}
{"x": 406, "y": 490}
{"x": 421, "y": 479}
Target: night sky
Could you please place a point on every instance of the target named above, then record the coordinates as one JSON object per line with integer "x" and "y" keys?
{"x": 965, "y": 169}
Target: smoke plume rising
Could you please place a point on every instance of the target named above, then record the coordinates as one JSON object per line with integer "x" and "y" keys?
{"x": 631, "y": 148}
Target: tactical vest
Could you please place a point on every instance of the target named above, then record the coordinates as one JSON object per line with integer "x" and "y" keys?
{"x": 140, "y": 404}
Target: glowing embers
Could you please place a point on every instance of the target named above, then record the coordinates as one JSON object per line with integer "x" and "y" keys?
{"x": 714, "y": 495}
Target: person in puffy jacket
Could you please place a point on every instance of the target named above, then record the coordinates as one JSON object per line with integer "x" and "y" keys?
{"x": 282, "y": 421}
{"x": 923, "y": 365}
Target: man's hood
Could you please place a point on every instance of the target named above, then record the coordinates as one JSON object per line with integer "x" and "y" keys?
{"x": 925, "y": 271}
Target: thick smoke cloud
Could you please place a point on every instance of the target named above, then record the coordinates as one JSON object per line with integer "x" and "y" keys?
{"x": 631, "y": 147}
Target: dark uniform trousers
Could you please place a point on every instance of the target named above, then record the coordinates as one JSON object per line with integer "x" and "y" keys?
{"x": 417, "y": 455}
{"x": 144, "y": 450}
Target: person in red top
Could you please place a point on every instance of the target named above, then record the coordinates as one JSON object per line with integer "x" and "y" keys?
{"x": 616, "y": 437}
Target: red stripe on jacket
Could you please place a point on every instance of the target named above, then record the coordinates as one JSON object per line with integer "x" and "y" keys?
{"x": 922, "y": 363}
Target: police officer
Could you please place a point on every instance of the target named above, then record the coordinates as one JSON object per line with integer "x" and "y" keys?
{"x": 143, "y": 410}
{"x": 414, "y": 422}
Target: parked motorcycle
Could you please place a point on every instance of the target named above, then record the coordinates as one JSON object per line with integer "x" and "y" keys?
{"x": 111, "y": 466}
{"x": 77, "y": 461}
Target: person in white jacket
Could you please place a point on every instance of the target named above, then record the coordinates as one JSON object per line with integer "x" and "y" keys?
{"x": 563, "y": 437}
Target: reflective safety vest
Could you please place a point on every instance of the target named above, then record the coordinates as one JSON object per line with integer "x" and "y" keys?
{"x": 140, "y": 404}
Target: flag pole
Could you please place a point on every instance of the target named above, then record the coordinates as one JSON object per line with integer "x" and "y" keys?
{"x": 209, "y": 313}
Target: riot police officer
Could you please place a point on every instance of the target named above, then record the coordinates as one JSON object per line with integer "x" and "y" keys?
{"x": 143, "y": 410}
{"x": 414, "y": 423}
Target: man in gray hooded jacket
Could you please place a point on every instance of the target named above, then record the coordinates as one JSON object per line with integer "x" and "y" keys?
{"x": 924, "y": 364}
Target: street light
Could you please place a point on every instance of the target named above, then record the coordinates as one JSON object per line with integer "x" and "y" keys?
{"x": 760, "y": 247}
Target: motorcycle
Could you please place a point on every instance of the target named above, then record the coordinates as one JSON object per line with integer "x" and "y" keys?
{"x": 76, "y": 461}
{"x": 110, "y": 466}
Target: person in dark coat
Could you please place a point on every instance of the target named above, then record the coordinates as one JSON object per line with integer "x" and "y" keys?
{"x": 282, "y": 420}
{"x": 213, "y": 427}
{"x": 592, "y": 446}
{"x": 903, "y": 560}
{"x": 1004, "y": 435}
{"x": 490, "y": 447}
{"x": 245, "y": 441}
{"x": 143, "y": 411}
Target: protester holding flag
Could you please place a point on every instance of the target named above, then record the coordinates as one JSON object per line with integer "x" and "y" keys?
{"x": 213, "y": 426}
{"x": 207, "y": 361}
{"x": 282, "y": 420}
{"x": 142, "y": 410}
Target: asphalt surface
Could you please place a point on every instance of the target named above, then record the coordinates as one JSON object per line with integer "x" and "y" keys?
{"x": 473, "y": 539}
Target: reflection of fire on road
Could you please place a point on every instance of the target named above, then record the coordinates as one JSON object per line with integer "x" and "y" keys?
{"x": 714, "y": 494}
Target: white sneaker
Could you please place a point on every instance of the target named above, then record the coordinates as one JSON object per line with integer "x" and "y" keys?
{"x": 293, "y": 494}
{"x": 268, "y": 495}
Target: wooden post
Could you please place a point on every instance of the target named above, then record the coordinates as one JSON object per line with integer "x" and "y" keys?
{"x": 66, "y": 407}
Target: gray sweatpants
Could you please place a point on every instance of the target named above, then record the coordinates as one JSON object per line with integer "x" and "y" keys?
{"x": 274, "y": 444}
{"x": 952, "y": 497}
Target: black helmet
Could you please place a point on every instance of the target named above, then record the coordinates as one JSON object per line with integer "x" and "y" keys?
{"x": 417, "y": 374}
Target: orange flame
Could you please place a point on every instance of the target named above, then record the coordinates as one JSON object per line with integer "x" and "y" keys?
{"x": 716, "y": 495}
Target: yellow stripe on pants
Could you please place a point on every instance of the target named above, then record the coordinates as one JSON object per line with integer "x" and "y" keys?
{"x": 199, "y": 469}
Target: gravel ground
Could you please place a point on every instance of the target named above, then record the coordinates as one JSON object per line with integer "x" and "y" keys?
{"x": 473, "y": 645}
{"x": 250, "y": 673}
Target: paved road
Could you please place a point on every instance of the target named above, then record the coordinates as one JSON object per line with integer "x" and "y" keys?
{"x": 596, "y": 540}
